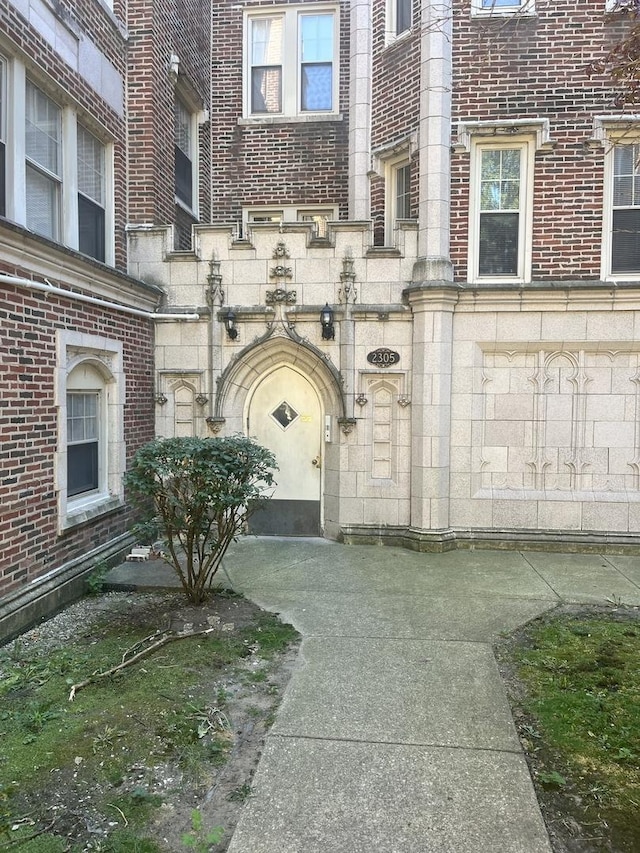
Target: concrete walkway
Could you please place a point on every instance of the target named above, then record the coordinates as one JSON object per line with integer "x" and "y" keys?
{"x": 395, "y": 735}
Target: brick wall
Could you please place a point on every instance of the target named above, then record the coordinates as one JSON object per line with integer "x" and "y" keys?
{"x": 537, "y": 67}
{"x": 271, "y": 164}
{"x": 158, "y": 30}
{"x": 29, "y": 543}
{"x": 395, "y": 101}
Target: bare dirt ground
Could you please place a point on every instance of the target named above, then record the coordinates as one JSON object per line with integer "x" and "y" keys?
{"x": 252, "y": 688}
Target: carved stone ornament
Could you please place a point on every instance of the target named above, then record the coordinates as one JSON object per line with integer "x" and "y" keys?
{"x": 361, "y": 400}
{"x": 280, "y": 250}
{"x": 280, "y": 295}
{"x": 403, "y": 400}
{"x": 215, "y": 424}
{"x": 202, "y": 399}
{"x": 347, "y": 425}
{"x": 161, "y": 399}
{"x": 280, "y": 271}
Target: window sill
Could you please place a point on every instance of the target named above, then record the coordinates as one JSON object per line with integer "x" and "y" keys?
{"x": 400, "y": 38}
{"x": 301, "y": 119}
{"x": 503, "y": 12}
{"x": 89, "y": 509}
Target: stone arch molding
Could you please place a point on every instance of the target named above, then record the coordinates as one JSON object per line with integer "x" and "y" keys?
{"x": 241, "y": 375}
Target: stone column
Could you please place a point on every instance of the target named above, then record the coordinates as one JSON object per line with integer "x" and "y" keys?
{"x": 431, "y": 407}
{"x": 359, "y": 109}
{"x": 434, "y": 201}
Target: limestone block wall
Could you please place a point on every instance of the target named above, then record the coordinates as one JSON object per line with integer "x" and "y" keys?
{"x": 276, "y": 281}
{"x": 545, "y": 413}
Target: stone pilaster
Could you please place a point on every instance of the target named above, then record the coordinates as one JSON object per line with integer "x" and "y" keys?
{"x": 431, "y": 405}
{"x": 360, "y": 109}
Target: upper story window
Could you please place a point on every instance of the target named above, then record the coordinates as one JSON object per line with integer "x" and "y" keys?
{"x": 43, "y": 149}
{"x": 399, "y": 18}
{"x": 184, "y": 155}
{"x": 58, "y": 173}
{"x": 397, "y": 173}
{"x": 291, "y": 67}
{"x": 502, "y": 7}
{"x": 91, "y": 195}
{"x": 623, "y": 211}
{"x": 500, "y": 219}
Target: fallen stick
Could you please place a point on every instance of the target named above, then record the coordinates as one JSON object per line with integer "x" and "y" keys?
{"x": 167, "y": 638}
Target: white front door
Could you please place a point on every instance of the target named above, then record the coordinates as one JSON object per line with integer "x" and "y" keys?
{"x": 285, "y": 415}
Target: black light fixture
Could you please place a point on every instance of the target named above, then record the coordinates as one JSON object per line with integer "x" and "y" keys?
{"x": 326, "y": 321}
{"x": 230, "y": 325}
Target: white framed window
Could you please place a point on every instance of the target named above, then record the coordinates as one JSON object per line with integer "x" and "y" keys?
{"x": 91, "y": 194}
{"x": 3, "y": 135}
{"x": 399, "y": 18}
{"x": 500, "y": 216}
{"x": 58, "y": 172}
{"x": 397, "y": 173}
{"x": 84, "y": 442}
{"x": 90, "y": 393}
{"x": 43, "y": 151}
{"x": 319, "y": 216}
{"x": 503, "y": 7}
{"x": 621, "y": 237}
{"x": 291, "y": 62}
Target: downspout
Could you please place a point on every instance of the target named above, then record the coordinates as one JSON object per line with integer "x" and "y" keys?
{"x": 46, "y": 287}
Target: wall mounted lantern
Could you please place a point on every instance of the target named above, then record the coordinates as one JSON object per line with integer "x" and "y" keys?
{"x": 326, "y": 321}
{"x": 230, "y": 325}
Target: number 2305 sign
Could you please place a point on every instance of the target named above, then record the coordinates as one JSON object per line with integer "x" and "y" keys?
{"x": 383, "y": 357}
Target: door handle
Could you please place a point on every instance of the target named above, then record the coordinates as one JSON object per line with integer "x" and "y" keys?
{"x": 316, "y": 462}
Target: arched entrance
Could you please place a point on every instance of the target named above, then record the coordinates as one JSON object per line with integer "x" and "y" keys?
{"x": 284, "y": 413}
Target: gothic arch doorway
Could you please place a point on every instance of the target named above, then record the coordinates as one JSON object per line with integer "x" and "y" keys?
{"x": 284, "y": 413}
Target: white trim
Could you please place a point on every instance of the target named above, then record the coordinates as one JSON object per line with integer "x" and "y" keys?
{"x": 287, "y": 213}
{"x": 105, "y": 357}
{"x": 516, "y": 7}
{"x": 391, "y": 18}
{"x": 391, "y": 168}
{"x": 291, "y": 61}
{"x": 624, "y": 134}
{"x": 470, "y": 129}
{"x": 525, "y": 211}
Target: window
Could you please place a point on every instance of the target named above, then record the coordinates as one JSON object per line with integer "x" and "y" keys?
{"x": 399, "y": 18}
{"x": 90, "y": 393}
{"x": 624, "y": 217}
{"x": 83, "y": 421}
{"x": 502, "y": 7}
{"x": 91, "y": 195}
{"x": 3, "y": 135}
{"x": 56, "y": 175}
{"x": 397, "y": 195}
{"x": 291, "y": 63}
{"x": 319, "y": 216}
{"x": 184, "y": 136}
{"x": 500, "y": 218}
{"x": 43, "y": 148}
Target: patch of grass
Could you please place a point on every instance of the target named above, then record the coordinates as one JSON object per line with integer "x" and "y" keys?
{"x": 582, "y": 683}
{"x": 269, "y": 635}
